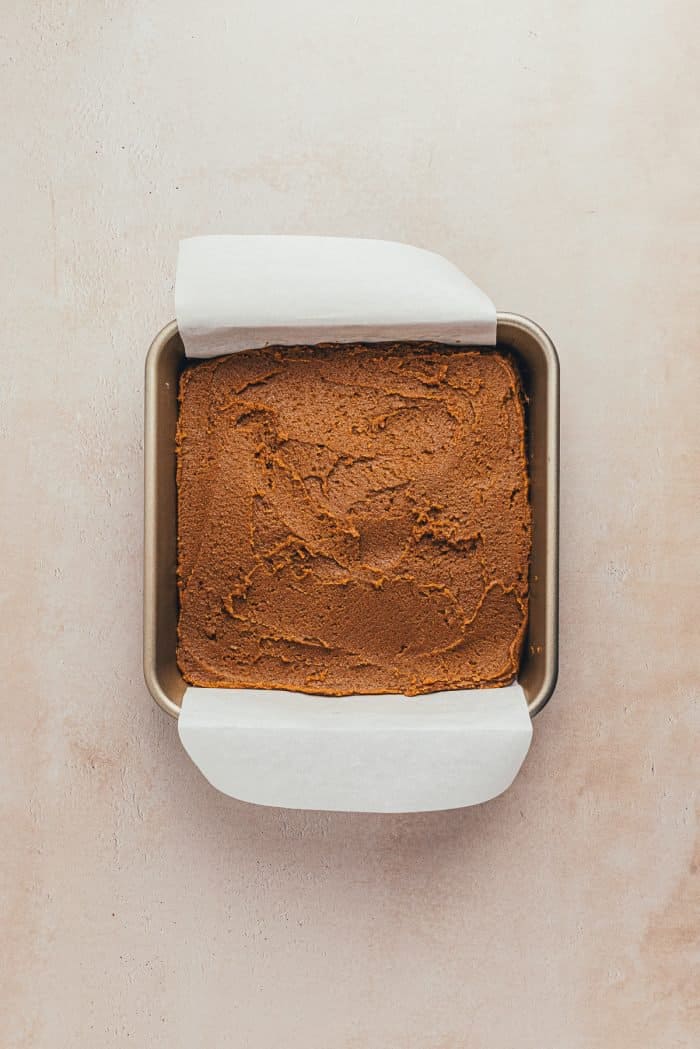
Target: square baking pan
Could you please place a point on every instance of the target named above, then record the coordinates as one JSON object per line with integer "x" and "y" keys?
{"x": 538, "y": 366}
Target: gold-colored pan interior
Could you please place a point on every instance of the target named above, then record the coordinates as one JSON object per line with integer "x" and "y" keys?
{"x": 539, "y": 369}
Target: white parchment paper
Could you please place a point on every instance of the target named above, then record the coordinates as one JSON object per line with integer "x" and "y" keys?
{"x": 357, "y": 753}
{"x": 234, "y": 293}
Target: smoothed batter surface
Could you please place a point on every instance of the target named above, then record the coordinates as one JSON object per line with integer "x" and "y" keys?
{"x": 352, "y": 519}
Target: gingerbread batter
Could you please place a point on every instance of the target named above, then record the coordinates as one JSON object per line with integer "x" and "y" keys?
{"x": 352, "y": 519}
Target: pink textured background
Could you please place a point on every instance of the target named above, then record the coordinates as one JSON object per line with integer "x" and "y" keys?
{"x": 552, "y": 152}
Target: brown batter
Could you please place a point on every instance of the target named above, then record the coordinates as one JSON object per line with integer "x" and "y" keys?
{"x": 352, "y": 520}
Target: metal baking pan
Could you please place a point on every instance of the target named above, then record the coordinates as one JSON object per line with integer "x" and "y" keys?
{"x": 539, "y": 369}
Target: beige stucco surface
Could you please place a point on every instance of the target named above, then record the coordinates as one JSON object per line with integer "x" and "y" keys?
{"x": 551, "y": 151}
